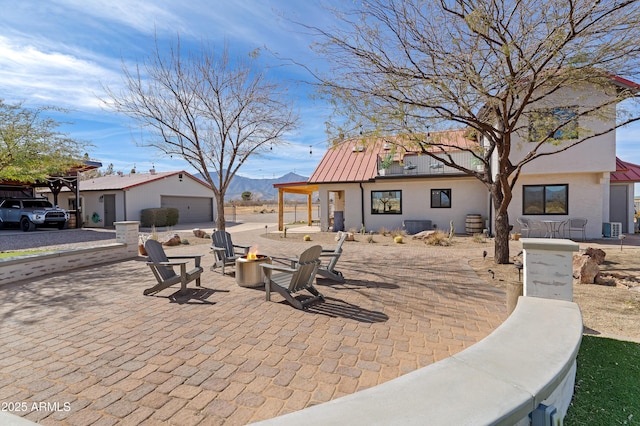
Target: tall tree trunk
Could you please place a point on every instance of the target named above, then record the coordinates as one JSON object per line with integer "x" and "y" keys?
{"x": 501, "y": 255}
{"x": 220, "y": 221}
{"x": 501, "y": 242}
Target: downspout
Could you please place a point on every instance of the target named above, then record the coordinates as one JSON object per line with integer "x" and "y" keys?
{"x": 79, "y": 212}
{"x": 362, "y": 204}
{"x": 124, "y": 203}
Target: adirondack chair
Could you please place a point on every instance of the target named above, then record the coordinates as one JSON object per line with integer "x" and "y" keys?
{"x": 328, "y": 270}
{"x": 162, "y": 267}
{"x": 224, "y": 252}
{"x": 288, "y": 281}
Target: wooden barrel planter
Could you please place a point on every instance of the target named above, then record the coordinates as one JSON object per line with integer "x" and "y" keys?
{"x": 473, "y": 224}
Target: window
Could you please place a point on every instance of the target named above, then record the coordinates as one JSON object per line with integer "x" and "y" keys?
{"x": 440, "y": 198}
{"x": 386, "y": 202}
{"x": 556, "y": 123}
{"x": 545, "y": 199}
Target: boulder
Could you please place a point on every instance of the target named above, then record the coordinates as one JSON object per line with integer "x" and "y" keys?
{"x": 350, "y": 236}
{"x": 422, "y": 235}
{"x": 585, "y": 269}
{"x": 173, "y": 241}
{"x": 199, "y": 233}
{"x": 596, "y": 254}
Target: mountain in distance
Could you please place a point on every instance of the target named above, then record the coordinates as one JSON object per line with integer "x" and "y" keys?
{"x": 261, "y": 189}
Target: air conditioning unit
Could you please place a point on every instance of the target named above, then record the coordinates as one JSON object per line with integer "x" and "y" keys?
{"x": 612, "y": 229}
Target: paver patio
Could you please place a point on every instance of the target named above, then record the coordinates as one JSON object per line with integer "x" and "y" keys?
{"x": 94, "y": 350}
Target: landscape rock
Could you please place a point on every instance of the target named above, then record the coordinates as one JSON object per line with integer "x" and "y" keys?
{"x": 596, "y": 254}
{"x": 422, "y": 235}
{"x": 350, "y": 236}
{"x": 585, "y": 269}
{"x": 173, "y": 241}
{"x": 199, "y": 233}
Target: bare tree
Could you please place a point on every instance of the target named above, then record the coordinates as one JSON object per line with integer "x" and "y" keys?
{"x": 210, "y": 109}
{"x": 405, "y": 67}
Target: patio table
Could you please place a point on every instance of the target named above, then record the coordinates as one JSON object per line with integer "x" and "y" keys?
{"x": 553, "y": 228}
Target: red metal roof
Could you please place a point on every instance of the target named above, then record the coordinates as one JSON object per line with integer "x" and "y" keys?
{"x": 625, "y": 172}
{"x": 356, "y": 160}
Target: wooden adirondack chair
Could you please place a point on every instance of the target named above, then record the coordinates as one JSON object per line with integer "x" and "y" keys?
{"x": 288, "y": 281}
{"x": 162, "y": 267}
{"x": 328, "y": 270}
{"x": 224, "y": 250}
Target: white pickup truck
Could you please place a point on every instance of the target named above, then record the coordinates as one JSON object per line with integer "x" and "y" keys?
{"x": 30, "y": 213}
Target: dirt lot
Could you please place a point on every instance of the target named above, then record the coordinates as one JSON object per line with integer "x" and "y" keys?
{"x": 609, "y": 310}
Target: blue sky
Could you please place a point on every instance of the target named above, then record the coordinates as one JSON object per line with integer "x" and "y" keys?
{"x": 62, "y": 53}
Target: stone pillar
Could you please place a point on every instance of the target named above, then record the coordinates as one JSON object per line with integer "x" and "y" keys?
{"x": 548, "y": 267}
{"x": 127, "y": 232}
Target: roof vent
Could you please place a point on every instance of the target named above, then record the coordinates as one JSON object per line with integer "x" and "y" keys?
{"x": 358, "y": 148}
{"x": 152, "y": 171}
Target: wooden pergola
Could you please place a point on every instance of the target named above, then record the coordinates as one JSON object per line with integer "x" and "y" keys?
{"x": 294, "y": 188}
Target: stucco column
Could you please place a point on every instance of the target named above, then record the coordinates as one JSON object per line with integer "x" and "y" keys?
{"x": 127, "y": 232}
{"x": 548, "y": 268}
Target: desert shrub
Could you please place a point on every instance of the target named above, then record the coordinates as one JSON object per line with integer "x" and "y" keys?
{"x": 397, "y": 232}
{"x": 370, "y": 238}
{"x": 164, "y": 216}
{"x": 479, "y": 238}
{"x": 383, "y": 231}
{"x": 438, "y": 238}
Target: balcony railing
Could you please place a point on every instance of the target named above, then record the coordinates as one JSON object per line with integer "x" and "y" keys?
{"x": 421, "y": 165}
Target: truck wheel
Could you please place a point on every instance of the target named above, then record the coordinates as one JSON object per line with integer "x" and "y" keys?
{"x": 26, "y": 225}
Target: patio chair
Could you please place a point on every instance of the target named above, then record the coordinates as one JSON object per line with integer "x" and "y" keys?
{"x": 288, "y": 281}
{"x": 575, "y": 224}
{"x": 162, "y": 267}
{"x": 528, "y": 227}
{"x": 328, "y": 270}
{"x": 224, "y": 252}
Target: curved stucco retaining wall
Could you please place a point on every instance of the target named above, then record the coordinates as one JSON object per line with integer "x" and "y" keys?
{"x": 530, "y": 359}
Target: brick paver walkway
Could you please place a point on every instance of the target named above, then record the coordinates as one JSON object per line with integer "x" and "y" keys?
{"x": 87, "y": 348}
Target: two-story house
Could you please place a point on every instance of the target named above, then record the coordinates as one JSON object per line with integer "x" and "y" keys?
{"x": 374, "y": 185}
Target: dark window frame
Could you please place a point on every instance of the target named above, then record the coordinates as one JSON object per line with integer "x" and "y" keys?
{"x": 399, "y": 197}
{"x": 446, "y": 191}
{"x": 544, "y": 200}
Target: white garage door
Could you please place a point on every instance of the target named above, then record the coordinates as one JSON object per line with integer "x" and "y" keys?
{"x": 192, "y": 209}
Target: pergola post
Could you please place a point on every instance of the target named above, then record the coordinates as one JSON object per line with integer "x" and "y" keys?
{"x": 280, "y": 209}
{"x": 294, "y": 188}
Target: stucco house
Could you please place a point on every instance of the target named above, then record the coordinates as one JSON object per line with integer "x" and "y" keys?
{"x": 119, "y": 197}
{"x": 372, "y": 185}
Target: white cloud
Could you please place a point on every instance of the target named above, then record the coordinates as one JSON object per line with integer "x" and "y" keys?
{"x": 143, "y": 16}
{"x": 30, "y": 73}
